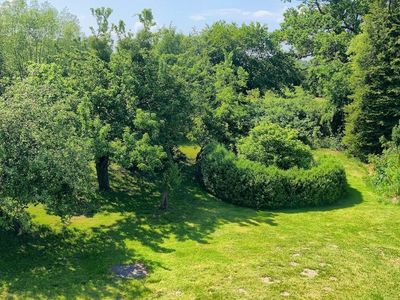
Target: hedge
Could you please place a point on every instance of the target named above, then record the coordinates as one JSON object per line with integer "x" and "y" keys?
{"x": 251, "y": 184}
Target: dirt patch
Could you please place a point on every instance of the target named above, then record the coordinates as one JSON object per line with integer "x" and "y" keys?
{"x": 309, "y": 273}
{"x": 332, "y": 278}
{"x": 131, "y": 271}
{"x": 267, "y": 280}
{"x": 396, "y": 262}
{"x": 395, "y": 200}
{"x": 178, "y": 293}
{"x": 293, "y": 264}
{"x": 285, "y": 294}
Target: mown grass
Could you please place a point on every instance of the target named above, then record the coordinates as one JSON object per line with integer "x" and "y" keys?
{"x": 203, "y": 248}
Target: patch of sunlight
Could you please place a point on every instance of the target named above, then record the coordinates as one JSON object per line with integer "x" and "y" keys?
{"x": 40, "y": 216}
{"x": 100, "y": 219}
{"x": 104, "y": 219}
{"x": 190, "y": 151}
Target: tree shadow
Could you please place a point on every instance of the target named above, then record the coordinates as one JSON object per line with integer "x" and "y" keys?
{"x": 77, "y": 264}
{"x": 71, "y": 263}
{"x": 193, "y": 213}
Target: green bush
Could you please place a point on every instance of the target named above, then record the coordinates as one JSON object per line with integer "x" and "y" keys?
{"x": 270, "y": 144}
{"x": 386, "y": 176}
{"x": 251, "y": 184}
{"x": 311, "y": 117}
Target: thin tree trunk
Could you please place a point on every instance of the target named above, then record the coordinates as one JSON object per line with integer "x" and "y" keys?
{"x": 16, "y": 226}
{"x": 102, "y": 173}
{"x": 164, "y": 201}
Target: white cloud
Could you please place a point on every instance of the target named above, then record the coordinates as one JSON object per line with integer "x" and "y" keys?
{"x": 198, "y": 18}
{"x": 137, "y": 26}
{"x": 263, "y": 14}
{"x": 257, "y": 15}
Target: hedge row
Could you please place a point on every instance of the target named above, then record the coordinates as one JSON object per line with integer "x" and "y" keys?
{"x": 247, "y": 183}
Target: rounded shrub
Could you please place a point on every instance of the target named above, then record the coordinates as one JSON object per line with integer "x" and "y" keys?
{"x": 271, "y": 144}
{"x": 251, "y": 184}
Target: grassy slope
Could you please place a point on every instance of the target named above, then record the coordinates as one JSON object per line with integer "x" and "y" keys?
{"x": 203, "y": 248}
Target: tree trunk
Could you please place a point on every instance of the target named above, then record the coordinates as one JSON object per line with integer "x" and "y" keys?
{"x": 197, "y": 170}
{"x": 164, "y": 201}
{"x": 16, "y": 226}
{"x": 102, "y": 173}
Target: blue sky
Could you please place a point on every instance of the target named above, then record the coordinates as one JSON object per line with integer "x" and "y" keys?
{"x": 185, "y": 15}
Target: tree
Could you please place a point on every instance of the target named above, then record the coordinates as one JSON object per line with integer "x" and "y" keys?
{"x": 162, "y": 102}
{"x": 105, "y": 109}
{"x": 227, "y": 114}
{"x": 376, "y": 67}
{"x": 319, "y": 33}
{"x": 98, "y": 110}
{"x": 170, "y": 181}
{"x": 100, "y": 40}
{"x": 43, "y": 159}
{"x": 255, "y": 50}
{"x": 34, "y": 33}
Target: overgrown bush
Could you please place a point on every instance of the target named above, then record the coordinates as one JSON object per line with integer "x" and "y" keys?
{"x": 251, "y": 184}
{"x": 386, "y": 176}
{"x": 271, "y": 144}
{"x": 311, "y": 117}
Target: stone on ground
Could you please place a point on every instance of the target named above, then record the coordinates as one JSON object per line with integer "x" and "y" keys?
{"x": 132, "y": 271}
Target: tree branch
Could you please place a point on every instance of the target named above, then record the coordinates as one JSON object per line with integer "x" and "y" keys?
{"x": 348, "y": 27}
{"x": 318, "y": 5}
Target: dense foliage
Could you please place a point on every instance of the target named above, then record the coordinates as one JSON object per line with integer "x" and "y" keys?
{"x": 386, "y": 175}
{"x": 33, "y": 33}
{"x": 320, "y": 31}
{"x": 251, "y": 184}
{"x": 310, "y": 116}
{"x": 270, "y": 144}
{"x": 376, "y": 62}
{"x": 43, "y": 159}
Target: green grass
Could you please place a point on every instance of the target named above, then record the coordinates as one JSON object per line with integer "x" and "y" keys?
{"x": 206, "y": 249}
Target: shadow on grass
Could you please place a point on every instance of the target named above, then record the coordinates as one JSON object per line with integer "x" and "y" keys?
{"x": 77, "y": 264}
{"x": 71, "y": 264}
{"x": 193, "y": 213}
{"x": 353, "y": 198}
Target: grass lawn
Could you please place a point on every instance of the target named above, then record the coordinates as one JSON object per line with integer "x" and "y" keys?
{"x": 203, "y": 248}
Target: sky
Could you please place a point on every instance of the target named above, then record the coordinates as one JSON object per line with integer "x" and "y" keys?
{"x": 185, "y": 15}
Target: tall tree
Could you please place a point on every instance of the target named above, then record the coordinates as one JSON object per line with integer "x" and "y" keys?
{"x": 319, "y": 32}
{"x": 162, "y": 101}
{"x": 43, "y": 158}
{"x": 100, "y": 111}
{"x": 376, "y": 65}
{"x": 254, "y": 49}
{"x": 34, "y": 33}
